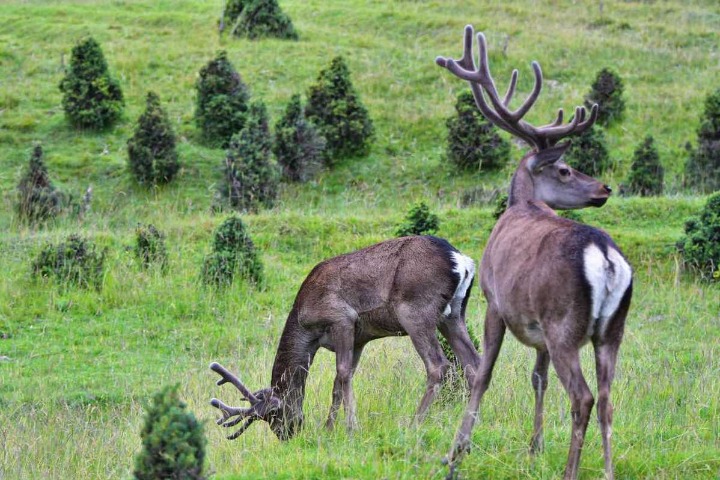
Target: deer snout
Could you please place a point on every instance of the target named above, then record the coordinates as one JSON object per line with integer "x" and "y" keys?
{"x": 607, "y": 188}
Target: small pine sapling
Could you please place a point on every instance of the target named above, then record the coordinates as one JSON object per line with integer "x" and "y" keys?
{"x": 222, "y": 101}
{"x": 91, "y": 97}
{"x": 251, "y": 177}
{"x": 76, "y": 261}
{"x": 419, "y": 221}
{"x": 257, "y": 19}
{"x": 38, "y": 199}
{"x": 702, "y": 169}
{"x": 152, "y": 156}
{"x": 233, "y": 252}
{"x": 298, "y": 145}
{"x": 606, "y": 91}
{"x": 473, "y": 143}
{"x": 335, "y": 108}
{"x": 150, "y": 248}
{"x": 700, "y": 247}
{"x": 173, "y": 441}
{"x": 646, "y": 172}
{"x": 589, "y": 152}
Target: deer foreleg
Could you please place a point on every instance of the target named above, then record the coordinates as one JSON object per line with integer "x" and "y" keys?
{"x": 345, "y": 362}
{"x": 539, "y": 382}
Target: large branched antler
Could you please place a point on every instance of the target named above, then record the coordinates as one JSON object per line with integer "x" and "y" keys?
{"x": 256, "y": 410}
{"x": 482, "y": 83}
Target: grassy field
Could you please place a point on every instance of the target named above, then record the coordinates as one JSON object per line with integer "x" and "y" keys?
{"x": 81, "y": 364}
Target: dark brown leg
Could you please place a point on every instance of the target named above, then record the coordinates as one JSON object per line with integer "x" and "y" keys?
{"x": 539, "y": 382}
{"x": 605, "y": 361}
{"x": 567, "y": 366}
{"x": 343, "y": 341}
{"x": 492, "y": 341}
{"x": 420, "y": 327}
{"x": 456, "y": 333}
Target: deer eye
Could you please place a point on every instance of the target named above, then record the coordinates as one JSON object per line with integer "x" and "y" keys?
{"x": 564, "y": 171}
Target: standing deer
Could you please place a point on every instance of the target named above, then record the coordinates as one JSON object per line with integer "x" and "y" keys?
{"x": 556, "y": 284}
{"x": 405, "y": 286}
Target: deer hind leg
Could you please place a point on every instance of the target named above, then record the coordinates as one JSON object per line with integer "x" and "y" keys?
{"x": 539, "y": 382}
{"x": 567, "y": 366}
{"x": 420, "y": 325}
{"x": 605, "y": 361}
{"x": 346, "y": 358}
{"x": 456, "y": 333}
{"x": 492, "y": 341}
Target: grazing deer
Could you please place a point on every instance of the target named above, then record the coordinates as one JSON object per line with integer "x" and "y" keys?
{"x": 556, "y": 284}
{"x": 405, "y": 286}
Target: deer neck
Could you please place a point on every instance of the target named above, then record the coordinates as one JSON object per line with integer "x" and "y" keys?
{"x": 522, "y": 189}
{"x": 294, "y": 356}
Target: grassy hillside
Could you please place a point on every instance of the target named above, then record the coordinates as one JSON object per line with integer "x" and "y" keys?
{"x": 81, "y": 364}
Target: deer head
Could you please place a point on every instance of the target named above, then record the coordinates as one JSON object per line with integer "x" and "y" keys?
{"x": 547, "y": 178}
{"x": 264, "y": 405}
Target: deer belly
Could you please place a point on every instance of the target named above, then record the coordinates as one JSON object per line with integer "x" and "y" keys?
{"x": 528, "y": 332}
{"x": 609, "y": 276}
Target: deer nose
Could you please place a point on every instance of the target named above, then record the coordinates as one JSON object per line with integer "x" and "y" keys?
{"x": 607, "y": 188}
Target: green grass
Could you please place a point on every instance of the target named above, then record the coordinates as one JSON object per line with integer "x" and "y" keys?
{"x": 82, "y": 364}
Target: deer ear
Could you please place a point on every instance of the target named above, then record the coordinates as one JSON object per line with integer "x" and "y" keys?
{"x": 547, "y": 156}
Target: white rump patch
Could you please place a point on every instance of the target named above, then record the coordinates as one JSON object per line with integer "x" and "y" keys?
{"x": 465, "y": 267}
{"x": 609, "y": 278}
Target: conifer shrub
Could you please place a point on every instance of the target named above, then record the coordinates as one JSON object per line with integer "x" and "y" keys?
{"x": 589, "y": 153}
{"x": 646, "y": 172}
{"x": 173, "y": 441}
{"x": 233, "y": 252}
{"x": 152, "y": 156}
{"x": 150, "y": 248}
{"x": 75, "y": 261}
{"x": 606, "y": 91}
{"x": 222, "y": 101}
{"x": 38, "y": 199}
{"x": 91, "y": 97}
{"x": 419, "y": 221}
{"x": 500, "y": 205}
{"x": 473, "y": 143}
{"x": 258, "y": 18}
{"x": 700, "y": 247}
{"x": 702, "y": 169}
{"x": 251, "y": 178}
{"x": 335, "y": 108}
{"x": 298, "y": 147}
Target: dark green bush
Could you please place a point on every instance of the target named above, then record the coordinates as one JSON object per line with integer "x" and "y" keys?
{"x": 152, "y": 157}
{"x": 150, "y": 246}
{"x": 233, "y": 252}
{"x": 38, "y": 199}
{"x": 258, "y": 18}
{"x": 700, "y": 247}
{"x": 589, "y": 153}
{"x": 335, "y": 108}
{"x": 703, "y": 167}
{"x": 222, "y": 101}
{"x": 606, "y": 91}
{"x": 419, "y": 221}
{"x": 251, "y": 177}
{"x": 646, "y": 172}
{"x": 91, "y": 98}
{"x": 76, "y": 261}
{"x": 500, "y": 205}
{"x": 298, "y": 145}
{"x": 473, "y": 143}
{"x": 173, "y": 442}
